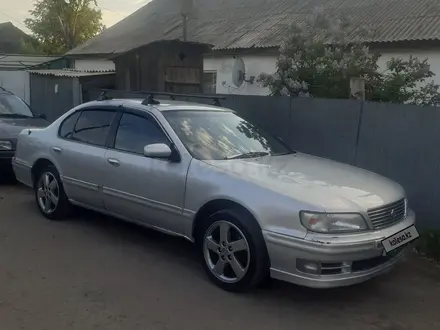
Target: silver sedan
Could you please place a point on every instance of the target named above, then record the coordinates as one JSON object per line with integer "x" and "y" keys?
{"x": 253, "y": 207}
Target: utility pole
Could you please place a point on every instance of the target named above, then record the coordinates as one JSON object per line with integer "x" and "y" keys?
{"x": 185, "y": 10}
{"x": 185, "y": 27}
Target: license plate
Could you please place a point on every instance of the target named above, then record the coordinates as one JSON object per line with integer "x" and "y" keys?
{"x": 400, "y": 239}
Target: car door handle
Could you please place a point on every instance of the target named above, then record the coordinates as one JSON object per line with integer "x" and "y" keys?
{"x": 113, "y": 162}
{"x": 57, "y": 149}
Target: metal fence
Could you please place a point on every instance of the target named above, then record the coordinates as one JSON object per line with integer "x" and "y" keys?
{"x": 401, "y": 142}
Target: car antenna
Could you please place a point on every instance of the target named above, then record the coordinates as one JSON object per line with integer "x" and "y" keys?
{"x": 104, "y": 96}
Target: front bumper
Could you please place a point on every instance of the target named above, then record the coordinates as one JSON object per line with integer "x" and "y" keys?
{"x": 344, "y": 259}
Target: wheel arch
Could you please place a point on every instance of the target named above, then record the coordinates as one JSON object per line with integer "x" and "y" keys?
{"x": 38, "y": 166}
{"x": 214, "y": 206}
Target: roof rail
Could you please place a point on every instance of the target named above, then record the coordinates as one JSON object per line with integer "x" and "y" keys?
{"x": 151, "y": 101}
{"x": 5, "y": 90}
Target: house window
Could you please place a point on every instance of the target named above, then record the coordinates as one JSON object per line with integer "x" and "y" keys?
{"x": 210, "y": 82}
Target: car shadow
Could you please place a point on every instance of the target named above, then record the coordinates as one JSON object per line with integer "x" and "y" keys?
{"x": 183, "y": 253}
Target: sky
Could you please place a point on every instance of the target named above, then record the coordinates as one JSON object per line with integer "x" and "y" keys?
{"x": 16, "y": 11}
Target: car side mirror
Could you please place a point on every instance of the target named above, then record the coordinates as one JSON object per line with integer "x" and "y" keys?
{"x": 157, "y": 150}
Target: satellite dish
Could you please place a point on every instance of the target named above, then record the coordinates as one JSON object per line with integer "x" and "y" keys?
{"x": 238, "y": 72}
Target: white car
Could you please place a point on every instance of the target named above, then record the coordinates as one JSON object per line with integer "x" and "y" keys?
{"x": 253, "y": 206}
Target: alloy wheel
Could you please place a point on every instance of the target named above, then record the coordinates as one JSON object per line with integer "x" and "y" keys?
{"x": 48, "y": 192}
{"x": 226, "y": 251}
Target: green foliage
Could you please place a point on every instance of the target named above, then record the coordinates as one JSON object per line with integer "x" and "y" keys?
{"x": 321, "y": 55}
{"x": 405, "y": 81}
{"x": 61, "y": 25}
{"x": 30, "y": 46}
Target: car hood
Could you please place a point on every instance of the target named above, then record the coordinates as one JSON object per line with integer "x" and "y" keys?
{"x": 10, "y": 128}
{"x": 324, "y": 183}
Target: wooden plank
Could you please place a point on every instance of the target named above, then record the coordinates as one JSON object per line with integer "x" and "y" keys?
{"x": 181, "y": 75}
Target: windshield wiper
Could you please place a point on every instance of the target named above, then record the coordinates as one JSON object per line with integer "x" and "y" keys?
{"x": 250, "y": 154}
{"x": 290, "y": 152}
{"x": 14, "y": 115}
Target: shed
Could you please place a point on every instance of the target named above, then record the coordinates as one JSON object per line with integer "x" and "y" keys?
{"x": 53, "y": 92}
{"x": 162, "y": 66}
{"x": 13, "y": 62}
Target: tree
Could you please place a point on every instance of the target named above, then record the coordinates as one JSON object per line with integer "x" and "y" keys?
{"x": 61, "y": 25}
{"x": 321, "y": 54}
{"x": 31, "y": 46}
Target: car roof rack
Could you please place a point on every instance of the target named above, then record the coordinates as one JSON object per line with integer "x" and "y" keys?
{"x": 150, "y": 100}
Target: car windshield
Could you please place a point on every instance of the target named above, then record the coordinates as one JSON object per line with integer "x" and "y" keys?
{"x": 13, "y": 106}
{"x": 214, "y": 135}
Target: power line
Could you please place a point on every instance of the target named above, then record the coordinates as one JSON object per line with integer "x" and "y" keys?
{"x": 13, "y": 19}
{"x": 114, "y": 12}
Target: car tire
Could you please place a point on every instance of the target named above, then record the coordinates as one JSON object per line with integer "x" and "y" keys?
{"x": 51, "y": 199}
{"x": 233, "y": 250}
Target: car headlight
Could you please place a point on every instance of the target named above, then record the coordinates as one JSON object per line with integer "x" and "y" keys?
{"x": 333, "y": 222}
{"x": 5, "y": 145}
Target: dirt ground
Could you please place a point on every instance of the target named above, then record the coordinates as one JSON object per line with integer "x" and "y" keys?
{"x": 94, "y": 272}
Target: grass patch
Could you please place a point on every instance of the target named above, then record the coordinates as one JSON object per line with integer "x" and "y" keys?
{"x": 429, "y": 244}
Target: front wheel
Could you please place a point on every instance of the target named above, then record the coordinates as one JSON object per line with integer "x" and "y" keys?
{"x": 50, "y": 196}
{"x": 234, "y": 252}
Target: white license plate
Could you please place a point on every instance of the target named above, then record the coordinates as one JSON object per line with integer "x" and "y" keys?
{"x": 401, "y": 238}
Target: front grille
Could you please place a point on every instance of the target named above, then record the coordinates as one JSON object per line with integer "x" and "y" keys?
{"x": 388, "y": 215}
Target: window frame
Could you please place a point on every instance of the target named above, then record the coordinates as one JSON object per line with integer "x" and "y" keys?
{"x": 148, "y": 116}
{"x": 113, "y": 109}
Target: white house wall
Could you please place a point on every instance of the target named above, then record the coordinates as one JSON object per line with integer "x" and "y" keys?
{"x": 256, "y": 64}
{"x": 94, "y": 65}
{"x": 433, "y": 56}
{"x": 17, "y": 82}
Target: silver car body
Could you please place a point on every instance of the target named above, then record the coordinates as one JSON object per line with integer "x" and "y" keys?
{"x": 167, "y": 196}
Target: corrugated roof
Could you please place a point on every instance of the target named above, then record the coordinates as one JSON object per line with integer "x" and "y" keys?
{"x": 16, "y": 62}
{"x": 71, "y": 73}
{"x": 230, "y": 24}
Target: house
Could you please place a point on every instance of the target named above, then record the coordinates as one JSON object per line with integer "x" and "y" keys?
{"x": 164, "y": 66}
{"x": 12, "y": 39}
{"x": 252, "y": 30}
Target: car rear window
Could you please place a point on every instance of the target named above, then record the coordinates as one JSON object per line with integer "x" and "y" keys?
{"x": 67, "y": 126}
{"x": 13, "y": 105}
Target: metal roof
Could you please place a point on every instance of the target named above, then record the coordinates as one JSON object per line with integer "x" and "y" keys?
{"x": 16, "y": 62}
{"x": 71, "y": 73}
{"x": 233, "y": 24}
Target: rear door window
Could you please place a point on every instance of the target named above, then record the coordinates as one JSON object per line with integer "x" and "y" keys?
{"x": 93, "y": 126}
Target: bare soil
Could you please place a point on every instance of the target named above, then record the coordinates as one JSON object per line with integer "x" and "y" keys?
{"x": 95, "y": 272}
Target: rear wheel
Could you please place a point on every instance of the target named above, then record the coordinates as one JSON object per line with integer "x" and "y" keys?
{"x": 233, "y": 249}
{"x": 49, "y": 194}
